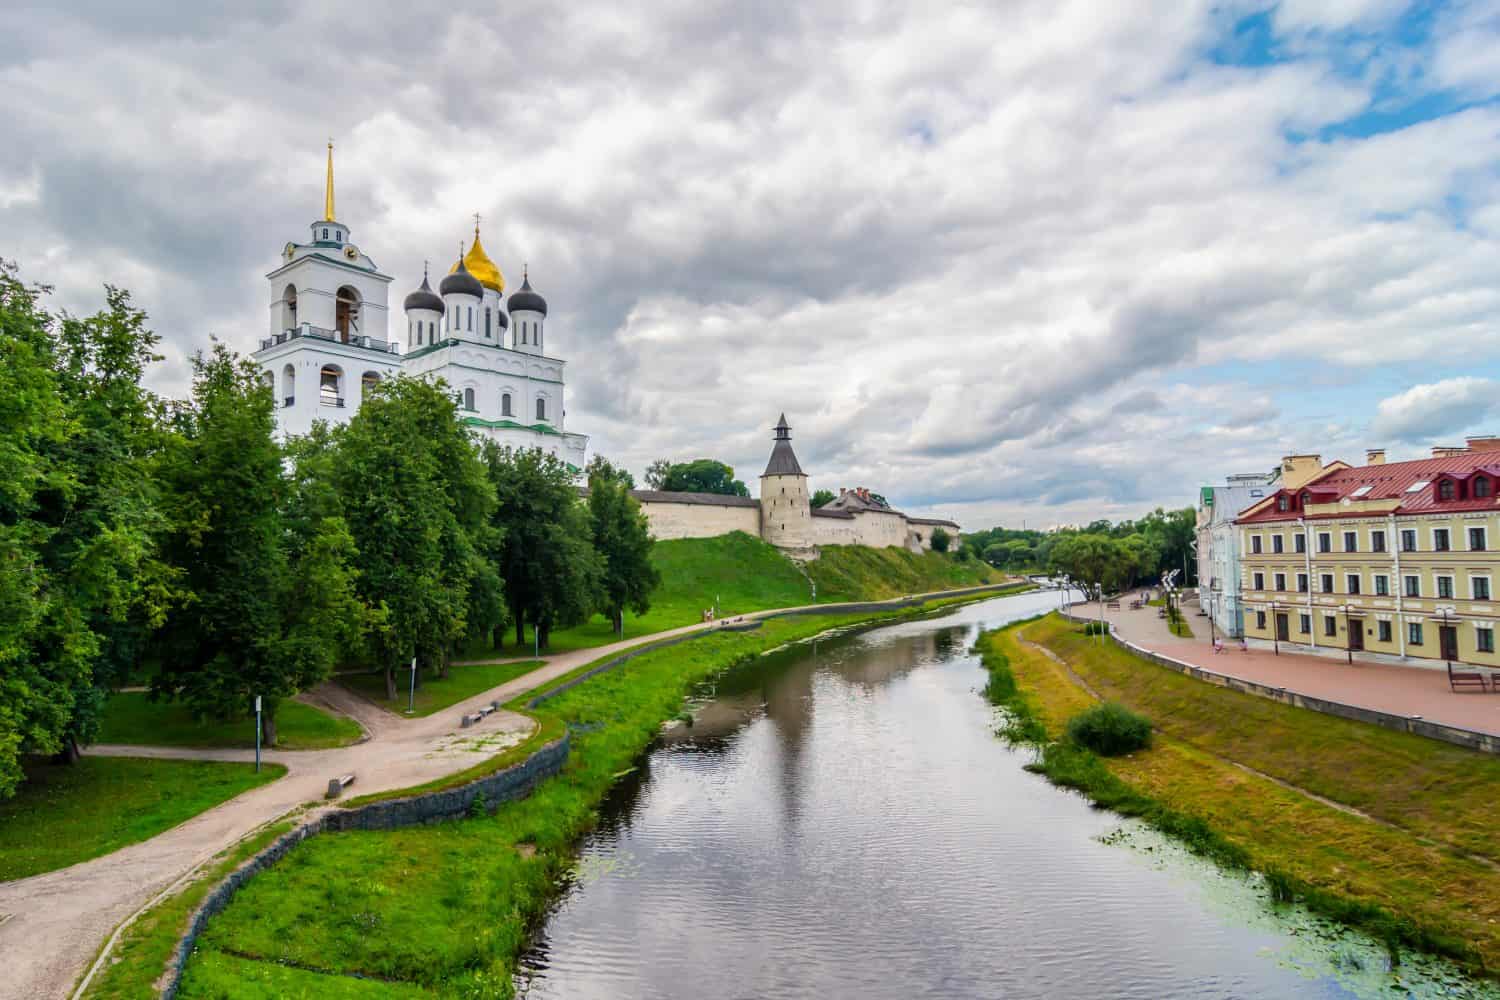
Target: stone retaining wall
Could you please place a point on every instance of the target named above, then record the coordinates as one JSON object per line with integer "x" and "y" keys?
{"x": 451, "y": 803}
{"x": 1468, "y": 738}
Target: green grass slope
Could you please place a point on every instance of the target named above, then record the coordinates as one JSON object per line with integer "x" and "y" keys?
{"x": 860, "y": 573}
{"x": 132, "y": 718}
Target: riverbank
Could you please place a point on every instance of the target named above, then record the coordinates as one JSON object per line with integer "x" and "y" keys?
{"x": 353, "y": 907}
{"x": 1379, "y": 829}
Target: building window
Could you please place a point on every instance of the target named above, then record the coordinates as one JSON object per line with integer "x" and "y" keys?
{"x": 1325, "y": 542}
{"x": 1445, "y": 588}
{"x": 1255, "y": 544}
{"x": 1260, "y": 582}
{"x": 1414, "y": 586}
{"x": 505, "y": 405}
{"x": 1330, "y": 626}
{"x": 1408, "y": 540}
{"x": 1304, "y": 623}
{"x": 1445, "y": 489}
{"x": 471, "y": 319}
{"x": 1414, "y": 633}
{"x": 1383, "y": 631}
{"x": 1377, "y": 541}
{"x": 1484, "y": 640}
{"x": 1479, "y": 588}
{"x": 1260, "y": 620}
{"x": 325, "y": 234}
{"x": 1300, "y": 544}
{"x": 1382, "y": 585}
{"x": 1352, "y": 581}
{"x": 487, "y": 323}
{"x": 1281, "y": 503}
{"x": 1327, "y": 582}
{"x": 331, "y": 386}
{"x": 1476, "y": 540}
{"x": 541, "y": 409}
{"x": 1277, "y": 544}
{"x": 367, "y": 383}
{"x": 1280, "y": 583}
{"x": 1301, "y": 583}
{"x": 1351, "y": 541}
{"x": 1481, "y": 487}
{"x": 1440, "y": 539}
{"x": 469, "y": 399}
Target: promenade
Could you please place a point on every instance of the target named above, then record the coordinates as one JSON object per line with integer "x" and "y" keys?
{"x": 1399, "y": 690}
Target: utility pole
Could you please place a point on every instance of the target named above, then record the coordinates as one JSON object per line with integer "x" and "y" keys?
{"x": 257, "y": 734}
{"x": 411, "y": 698}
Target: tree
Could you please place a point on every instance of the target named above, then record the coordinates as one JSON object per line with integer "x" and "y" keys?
{"x": 703, "y": 475}
{"x": 656, "y": 474}
{"x": 267, "y": 601}
{"x": 413, "y": 491}
{"x": 601, "y": 466}
{"x": 940, "y": 540}
{"x": 822, "y": 498}
{"x": 551, "y": 570}
{"x": 1099, "y": 563}
{"x": 622, "y": 538}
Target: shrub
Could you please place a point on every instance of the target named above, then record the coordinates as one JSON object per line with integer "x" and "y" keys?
{"x": 1110, "y": 729}
{"x": 940, "y": 540}
{"x": 1096, "y": 628}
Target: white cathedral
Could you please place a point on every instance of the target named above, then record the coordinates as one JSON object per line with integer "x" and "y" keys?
{"x": 330, "y": 341}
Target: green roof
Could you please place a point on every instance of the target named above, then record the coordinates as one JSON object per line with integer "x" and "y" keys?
{"x": 513, "y": 425}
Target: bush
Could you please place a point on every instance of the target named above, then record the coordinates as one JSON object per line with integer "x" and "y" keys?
{"x": 1096, "y": 628}
{"x": 1110, "y": 729}
{"x": 940, "y": 540}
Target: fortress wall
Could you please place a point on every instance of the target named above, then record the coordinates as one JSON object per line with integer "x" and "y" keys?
{"x": 693, "y": 520}
{"x": 879, "y": 529}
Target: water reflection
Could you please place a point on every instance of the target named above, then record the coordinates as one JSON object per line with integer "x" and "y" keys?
{"x": 840, "y": 822}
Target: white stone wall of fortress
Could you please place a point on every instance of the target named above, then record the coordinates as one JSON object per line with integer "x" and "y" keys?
{"x": 692, "y": 520}
{"x": 871, "y": 528}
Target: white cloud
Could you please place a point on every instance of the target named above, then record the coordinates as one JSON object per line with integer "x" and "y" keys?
{"x": 1429, "y": 411}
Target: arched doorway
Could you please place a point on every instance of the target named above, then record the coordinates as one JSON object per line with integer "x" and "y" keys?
{"x": 331, "y": 386}
{"x": 346, "y": 313}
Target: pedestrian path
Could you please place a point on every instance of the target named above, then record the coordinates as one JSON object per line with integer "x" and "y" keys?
{"x": 53, "y": 925}
{"x": 1384, "y": 687}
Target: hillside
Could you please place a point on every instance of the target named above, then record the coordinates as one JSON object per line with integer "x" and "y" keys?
{"x": 743, "y": 573}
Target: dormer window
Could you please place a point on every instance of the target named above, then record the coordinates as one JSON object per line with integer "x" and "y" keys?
{"x": 1283, "y": 503}
{"x": 1306, "y": 499}
{"x": 1481, "y": 487}
{"x": 1447, "y": 489}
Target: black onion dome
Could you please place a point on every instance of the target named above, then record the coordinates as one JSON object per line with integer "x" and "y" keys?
{"x": 526, "y": 299}
{"x": 424, "y": 298}
{"x": 461, "y": 282}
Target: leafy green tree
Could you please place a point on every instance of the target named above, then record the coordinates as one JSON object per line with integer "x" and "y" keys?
{"x": 413, "y": 491}
{"x": 601, "y": 466}
{"x": 703, "y": 475}
{"x": 821, "y": 498}
{"x": 551, "y": 570}
{"x": 656, "y": 474}
{"x": 1097, "y": 562}
{"x": 268, "y": 601}
{"x": 622, "y": 538}
{"x": 941, "y": 540}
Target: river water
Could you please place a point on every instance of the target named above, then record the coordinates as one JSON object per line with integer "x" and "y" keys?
{"x": 841, "y": 821}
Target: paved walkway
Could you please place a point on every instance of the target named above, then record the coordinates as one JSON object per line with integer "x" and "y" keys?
{"x": 53, "y": 925}
{"x": 1385, "y": 687}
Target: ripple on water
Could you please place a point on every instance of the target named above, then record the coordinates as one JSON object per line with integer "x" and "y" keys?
{"x": 850, "y": 827}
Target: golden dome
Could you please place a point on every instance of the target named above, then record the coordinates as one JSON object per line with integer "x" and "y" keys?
{"x": 478, "y": 263}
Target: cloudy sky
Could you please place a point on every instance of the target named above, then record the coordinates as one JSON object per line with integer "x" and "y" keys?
{"x": 1043, "y": 260}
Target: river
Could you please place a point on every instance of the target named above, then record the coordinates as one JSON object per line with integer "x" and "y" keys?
{"x": 840, "y": 821}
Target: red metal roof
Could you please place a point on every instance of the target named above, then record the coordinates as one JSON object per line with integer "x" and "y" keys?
{"x": 1394, "y": 479}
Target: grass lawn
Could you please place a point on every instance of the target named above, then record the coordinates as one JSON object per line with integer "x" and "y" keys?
{"x": 744, "y": 574}
{"x": 64, "y": 814}
{"x": 437, "y": 693}
{"x": 130, "y": 717}
{"x": 345, "y": 903}
{"x": 1441, "y": 802}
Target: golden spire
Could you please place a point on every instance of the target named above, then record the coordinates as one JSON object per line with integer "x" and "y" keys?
{"x": 478, "y": 263}
{"x": 328, "y": 193}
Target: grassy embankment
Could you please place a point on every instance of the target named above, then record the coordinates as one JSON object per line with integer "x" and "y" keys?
{"x": 64, "y": 814}
{"x": 1421, "y": 872}
{"x": 437, "y": 693}
{"x": 132, "y": 718}
{"x": 744, "y": 573}
{"x": 446, "y": 908}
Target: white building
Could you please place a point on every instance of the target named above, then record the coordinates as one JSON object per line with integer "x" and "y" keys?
{"x": 1219, "y": 545}
{"x": 329, "y": 341}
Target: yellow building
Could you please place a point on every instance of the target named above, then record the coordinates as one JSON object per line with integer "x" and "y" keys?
{"x": 1397, "y": 559}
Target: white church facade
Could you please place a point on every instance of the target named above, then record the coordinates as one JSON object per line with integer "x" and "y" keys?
{"x": 330, "y": 341}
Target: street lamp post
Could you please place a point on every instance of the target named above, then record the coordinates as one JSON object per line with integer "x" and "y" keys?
{"x": 1443, "y": 646}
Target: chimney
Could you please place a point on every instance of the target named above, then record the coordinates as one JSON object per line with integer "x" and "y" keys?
{"x": 1298, "y": 469}
{"x": 1375, "y": 456}
{"x": 1447, "y": 451}
{"x": 842, "y": 491}
{"x": 1488, "y": 442}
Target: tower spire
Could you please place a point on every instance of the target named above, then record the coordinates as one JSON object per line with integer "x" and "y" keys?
{"x": 328, "y": 191}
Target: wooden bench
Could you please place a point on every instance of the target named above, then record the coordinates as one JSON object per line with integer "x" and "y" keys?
{"x": 1113, "y": 605}
{"x": 469, "y": 720}
{"x": 337, "y": 785}
{"x": 1466, "y": 679}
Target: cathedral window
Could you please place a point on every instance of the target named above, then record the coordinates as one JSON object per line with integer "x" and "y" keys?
{"x": 541, "y": 409}
{"x": 432, "y": 332}
{"x": 331, "y": 386}
{"x": 471, "y": 319}
{"x": 468, "y": 399}
{"x": 487, "y": 323}
{"x": 505, "y": 405}
{"x": 325, "y": 234}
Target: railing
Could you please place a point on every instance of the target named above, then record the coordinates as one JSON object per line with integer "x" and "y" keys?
{"x": 333, "y": 336}
{"x": 287, "y": 403}
{"x": 333, "y": 400}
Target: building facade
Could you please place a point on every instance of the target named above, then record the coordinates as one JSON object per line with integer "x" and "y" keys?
{"x": 784, "y": 516}
{"x": 330, "y": 341}
{"x": 1392, "y": 560}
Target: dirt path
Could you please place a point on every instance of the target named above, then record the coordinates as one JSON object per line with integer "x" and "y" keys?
{"x": 53, "y": 925}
